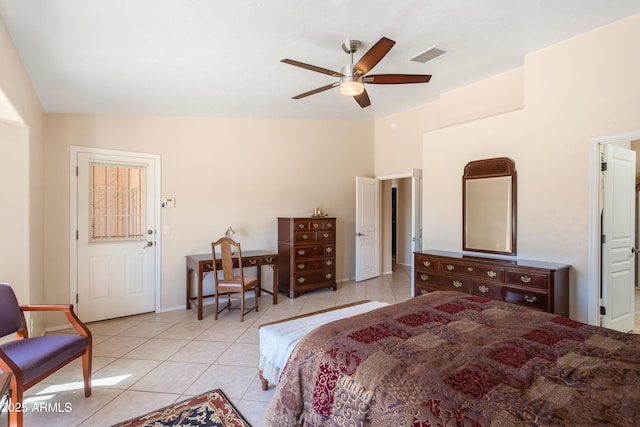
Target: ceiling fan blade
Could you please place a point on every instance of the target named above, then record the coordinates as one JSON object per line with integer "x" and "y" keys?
{"x": 397, "y": 79}
{"x": 318, "y": 90}
{"x": 373, "y": 56}
{"x": 363, "y": 99}
{"x": 311, "y": 67}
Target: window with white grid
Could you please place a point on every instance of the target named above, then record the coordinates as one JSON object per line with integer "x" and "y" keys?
{"x": 117, "y": 202}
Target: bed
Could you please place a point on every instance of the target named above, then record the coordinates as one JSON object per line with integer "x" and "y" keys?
{"x": 451, "y": 359}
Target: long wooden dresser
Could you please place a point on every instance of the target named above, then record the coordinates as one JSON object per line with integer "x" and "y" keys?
{"x": 306, "y": 254}
{"x": 540, "y": 285}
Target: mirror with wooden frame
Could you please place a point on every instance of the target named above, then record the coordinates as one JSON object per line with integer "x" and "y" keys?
{"x": 489, "y": 206}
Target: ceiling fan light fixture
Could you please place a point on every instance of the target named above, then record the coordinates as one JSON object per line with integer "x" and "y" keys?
{"x": 351, "y": 86}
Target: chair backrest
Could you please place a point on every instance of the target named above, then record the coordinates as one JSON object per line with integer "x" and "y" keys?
{"x": 223, "y": 250}
{"x": 11, "y": 317}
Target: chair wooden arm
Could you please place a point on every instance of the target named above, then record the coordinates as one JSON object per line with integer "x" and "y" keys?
{"x": 46, "y": 307}
{"x": 68, "y": 311}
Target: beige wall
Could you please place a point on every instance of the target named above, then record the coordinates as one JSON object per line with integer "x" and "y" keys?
{"x": 239, "y": 172}
{"x": 14, "y": 191}
{"x": 398, "y": 139}
{"x": 571, "y": 95}
{"x": 21, "y": 189}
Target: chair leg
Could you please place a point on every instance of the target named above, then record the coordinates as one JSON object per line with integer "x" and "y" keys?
{"x": 215, "y": 317}
{"x": 256, "y": 289}
{"x": 86, "y": 372}
{"x": 242, "y": 306}
{"x": 17, "y": 392}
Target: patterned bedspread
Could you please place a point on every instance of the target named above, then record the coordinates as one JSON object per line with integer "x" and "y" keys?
{"x": 450, "y": 359}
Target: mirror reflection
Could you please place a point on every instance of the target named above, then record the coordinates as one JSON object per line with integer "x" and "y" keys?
{"x": 489, "y": 206}
{"x": 488, "y": 224}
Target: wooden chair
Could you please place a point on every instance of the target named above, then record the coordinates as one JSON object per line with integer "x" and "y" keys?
{"x": 33, "y": 359}
{"x": 225, "y": 252}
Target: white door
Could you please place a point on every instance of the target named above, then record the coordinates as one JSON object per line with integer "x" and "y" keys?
{"x": 367, "y": 228}
{"x": 618, "y": 227}
{"x": 116, "y": 235}
{"x": 416, "y": 217}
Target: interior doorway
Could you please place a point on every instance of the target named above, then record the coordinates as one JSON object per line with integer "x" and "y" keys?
{"x": 595, "y": 279}
{"x": 396, "y": 223}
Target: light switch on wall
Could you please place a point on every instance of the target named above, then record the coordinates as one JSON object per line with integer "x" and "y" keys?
{"x": 168, "y": 202}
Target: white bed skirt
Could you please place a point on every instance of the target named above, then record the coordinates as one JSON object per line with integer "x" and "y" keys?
{"x": 278, "y": 340}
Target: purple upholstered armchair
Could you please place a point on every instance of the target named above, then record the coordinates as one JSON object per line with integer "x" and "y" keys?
{"x": 33, "y": 359}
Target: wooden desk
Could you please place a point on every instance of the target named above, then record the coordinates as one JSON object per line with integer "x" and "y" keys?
{"x": 203, "y": 264}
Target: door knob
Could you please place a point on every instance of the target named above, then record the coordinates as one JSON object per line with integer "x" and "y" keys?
{"x": 147, "y": 245}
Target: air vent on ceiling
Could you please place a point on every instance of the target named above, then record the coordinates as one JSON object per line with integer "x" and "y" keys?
{"x": 429, "y": 54}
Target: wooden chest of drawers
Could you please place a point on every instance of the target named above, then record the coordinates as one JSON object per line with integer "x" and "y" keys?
{"x": 306, "y": 254}
{"x": 540, "y": 285}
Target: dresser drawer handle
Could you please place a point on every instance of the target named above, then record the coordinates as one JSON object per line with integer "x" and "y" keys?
{"x": 424, "y": 277}
{"x": 530, "y": 298}
{"x": 305, "y": 236}
{"x": 253, "y": 261}
{"x": 450, "y": 267}
{"x": 457, "y": 284}
{"x": 469, "y": 268}
{"x": 301, "y": 226}
{"x": 329, "y": 276}
{"x": 525, "y": 279}
{"x": 300, "y": 266}
{"x": 268, "y": 259}
{"x": 301, "y": 280}
{"x": 209, "y": 266}
{"x": 329, "y": 250}
{"x": 329, "y": 225}
{"x": 483, "y": 289}
{"x": 301, "y": 252}
{"x": 423, "y": 291}
{"x": 329, "y": 263}
{"x": 492, "y": 273}
{"x": 326, "y": 235}
{"x": 426, "y": 263}
{"x": 315, "y": 225}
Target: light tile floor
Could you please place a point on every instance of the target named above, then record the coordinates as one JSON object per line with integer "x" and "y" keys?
{"x": 144, "y": 362}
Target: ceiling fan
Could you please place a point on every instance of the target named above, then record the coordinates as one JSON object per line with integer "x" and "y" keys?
{"x": 353, "y": 77}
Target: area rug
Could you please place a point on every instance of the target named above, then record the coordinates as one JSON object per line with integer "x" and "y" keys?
{"x": 209, "y": 409}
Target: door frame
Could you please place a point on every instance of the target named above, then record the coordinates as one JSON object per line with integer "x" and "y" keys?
{"x": 416, "y": 214}
{"x": 594, "y": 279}
{"x": 73, "y": 217}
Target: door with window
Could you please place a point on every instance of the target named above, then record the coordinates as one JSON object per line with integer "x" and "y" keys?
{"x": 116, "y": 235}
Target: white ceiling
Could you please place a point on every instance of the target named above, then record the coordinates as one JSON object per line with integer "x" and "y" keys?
{"x": 222, "y": 58}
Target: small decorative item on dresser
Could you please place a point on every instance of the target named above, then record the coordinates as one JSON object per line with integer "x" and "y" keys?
{"x": 306, "y": 254}
{"x": 317, "y": 213}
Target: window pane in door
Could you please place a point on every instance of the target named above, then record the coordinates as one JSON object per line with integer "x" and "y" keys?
{"x": 117, "y": 202}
